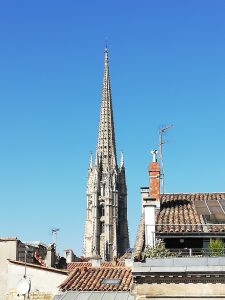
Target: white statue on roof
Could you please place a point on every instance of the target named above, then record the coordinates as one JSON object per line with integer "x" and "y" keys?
{"x": 154, "y": 155}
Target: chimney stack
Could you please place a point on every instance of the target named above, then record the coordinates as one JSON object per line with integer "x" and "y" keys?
{"x": 154, "y": 177}
{"x": 50, "y": 256}
{"x": 96, "y": 261}
{"x": 69, "y": 256}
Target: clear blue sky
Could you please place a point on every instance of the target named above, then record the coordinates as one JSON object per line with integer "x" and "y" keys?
{"x": 167, "y": 65}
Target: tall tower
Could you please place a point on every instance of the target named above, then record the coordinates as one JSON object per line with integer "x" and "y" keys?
{"x": 106, "y": 226}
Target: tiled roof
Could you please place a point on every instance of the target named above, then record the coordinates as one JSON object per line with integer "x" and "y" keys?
{"x": 140, "y": 239}
{"x": 183, "y": 213}
{"x": 178, "y": 213}
{"x": 74, "y": 265}
{"x": 109, "y": 264}
{"x": 91, "y": 279}
{"x": 105, "y": 264}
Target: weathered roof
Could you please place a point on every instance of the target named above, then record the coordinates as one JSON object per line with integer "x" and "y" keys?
{"x": 74, "y": 265}
{"x": 140, "y": 239}
{"x": 92, "y": 279}
{"x": 185, "y": 213}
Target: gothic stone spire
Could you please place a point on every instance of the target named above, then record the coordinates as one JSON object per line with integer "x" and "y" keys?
{"x": 106, "y": 228}
{"x": 106, "y": 147}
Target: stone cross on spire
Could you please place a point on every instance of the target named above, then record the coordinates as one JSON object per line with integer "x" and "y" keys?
{"x": 106, "y": 147}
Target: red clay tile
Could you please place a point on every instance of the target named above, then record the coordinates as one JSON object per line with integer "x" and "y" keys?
{"x": 90, "y": 279}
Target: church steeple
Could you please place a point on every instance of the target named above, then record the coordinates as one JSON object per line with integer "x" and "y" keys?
{"x": 106, "y": 146}
{"x": 106, "y": 228}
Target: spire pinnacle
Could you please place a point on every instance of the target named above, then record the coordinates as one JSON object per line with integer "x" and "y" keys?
{"x": 106, "y": 146}
{"x": 106, "y": 44}
{"x": 90, "y": 162}
{"x": 121, "y": 160}
{"x": 96, "y": 159}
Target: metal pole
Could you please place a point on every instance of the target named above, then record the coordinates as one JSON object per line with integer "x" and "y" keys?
{"x": 161, "y": 157}
{"x": 25, "y": 265}
{"x": 161, "y": 143}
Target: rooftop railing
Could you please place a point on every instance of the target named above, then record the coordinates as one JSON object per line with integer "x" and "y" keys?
{"x": 196, "y": 252}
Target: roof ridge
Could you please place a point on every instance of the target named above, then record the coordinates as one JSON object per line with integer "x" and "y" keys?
{"x": 192, "y": 193}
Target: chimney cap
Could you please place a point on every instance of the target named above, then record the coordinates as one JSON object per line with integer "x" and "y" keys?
{"x": 149, "y": 201}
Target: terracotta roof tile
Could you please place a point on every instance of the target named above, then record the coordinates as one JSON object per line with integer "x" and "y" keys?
{"x": 178, "y": 213}
{"x": 74, "y": 265}
{"x": 104, "y": 264}
{"x": 140, "y": 239}
{"x": 90, "y": 279}
{"x": 108, "y": 264}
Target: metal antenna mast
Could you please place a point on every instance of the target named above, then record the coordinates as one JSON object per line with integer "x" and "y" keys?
{"x": 161, "y": 143}
{"x": 54, "y": 235}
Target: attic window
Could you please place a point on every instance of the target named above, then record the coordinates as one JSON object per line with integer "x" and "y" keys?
{"x": 111, "y": 281}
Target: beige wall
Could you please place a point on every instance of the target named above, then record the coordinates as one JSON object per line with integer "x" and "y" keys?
{"x": 8, "y": 250}
{"x": 44, "y": 283}
{"x": 181, "y": 290}
{"x": 12, "y": 295}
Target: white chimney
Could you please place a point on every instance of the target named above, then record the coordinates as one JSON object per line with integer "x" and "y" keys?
{"x": 96, "y": 261}
{"x": 69, "y": 255}
{"x": 51, "y": 256}
{"x": 149, "y": 213}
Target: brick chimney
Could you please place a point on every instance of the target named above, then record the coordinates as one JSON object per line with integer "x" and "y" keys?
{"x": 154, "y": 177}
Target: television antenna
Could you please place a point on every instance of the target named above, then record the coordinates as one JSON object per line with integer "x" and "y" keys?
{"x": 162, "y": 131}
{"x": 54, "y": 235}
